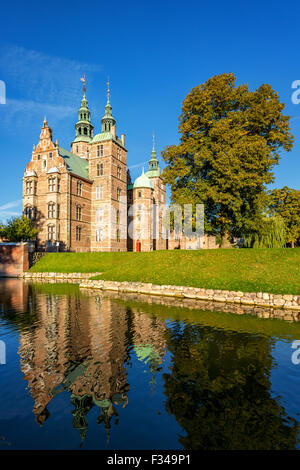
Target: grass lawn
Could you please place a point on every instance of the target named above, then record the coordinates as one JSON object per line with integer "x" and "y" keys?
{"x": 249, "y": 270}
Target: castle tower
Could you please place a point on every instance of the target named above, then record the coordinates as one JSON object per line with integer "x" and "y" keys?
{"x": 108, "y": 171}
{"x": 84, "y": 130}
{"x": 159, "y": 200}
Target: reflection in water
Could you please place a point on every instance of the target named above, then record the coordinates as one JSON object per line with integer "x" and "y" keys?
{"x": 216, "y": 382}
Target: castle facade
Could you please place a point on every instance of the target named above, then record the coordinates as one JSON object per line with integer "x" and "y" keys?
{"x": 84, "y": 199}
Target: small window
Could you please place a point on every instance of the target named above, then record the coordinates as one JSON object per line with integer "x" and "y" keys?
{"x": 50, "y": 155}
{"x": 140, "y": 194}
{"x": 99, "y": 234}
{"x": 118, "y": 216}
{"x": 99, "y": 192}
{"x": 118, "y": 194}
{"x": 79, "y": 188}
{"x": 51, "y": 210}
{"x": 118, "y": 236}
{"x": 39, "y": 157}
{"x": 78, "y": 213}
{"x": 99, "y": 215}
{"x": 119, "y": 172}
{"x": 78, "y": 233}
{"x": 51, "y": 232}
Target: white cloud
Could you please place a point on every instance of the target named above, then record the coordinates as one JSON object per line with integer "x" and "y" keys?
{"x": 43, "y": 78}
{"x": 5, "y": 213}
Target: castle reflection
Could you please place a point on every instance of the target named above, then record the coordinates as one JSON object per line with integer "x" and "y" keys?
{"x": 214, "y": 370}
{"x": 82, "y": 344}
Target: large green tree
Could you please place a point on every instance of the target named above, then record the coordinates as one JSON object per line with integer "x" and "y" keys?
{"x": 230, "y": 141}
{"x": 286, "y": 203}
{"x": 18, "y": 229}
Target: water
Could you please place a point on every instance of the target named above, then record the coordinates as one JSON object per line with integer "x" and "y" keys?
{"x": 96, "y": 371}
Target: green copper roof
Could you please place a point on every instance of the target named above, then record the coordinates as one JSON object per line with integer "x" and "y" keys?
{"x": 106, "y": 136}
{"x": 153, "y": 173}
{"x": 82, "y": 138}
{"x": 143, "y": 182}
{"x": 78, "y": 166}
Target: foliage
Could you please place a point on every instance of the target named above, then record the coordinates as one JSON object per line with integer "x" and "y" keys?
{"x": 18, "y": 229}
{"x": 285, "y": 202}
{"x": 270, "y": 234}
{"x": 243, "y": 269}
{"x": 230, "y": 141}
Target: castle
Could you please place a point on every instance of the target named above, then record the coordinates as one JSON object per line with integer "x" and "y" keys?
{"x": 84, "y": 199}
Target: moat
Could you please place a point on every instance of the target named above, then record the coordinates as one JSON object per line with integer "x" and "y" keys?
{"x": 93, "y": 370}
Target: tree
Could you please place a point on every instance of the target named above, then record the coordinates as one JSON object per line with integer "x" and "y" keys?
{"x": 285, "y": 202}
{"x": 230, "y": 141}
{"x": 18, "y": 229}
{"x": 271, "y": 233}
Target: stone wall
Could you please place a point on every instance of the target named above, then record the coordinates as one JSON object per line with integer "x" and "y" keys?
{"x": 13, "y": 259}
{"x": 260, "y": 299}
{"x": 59, "y": 276}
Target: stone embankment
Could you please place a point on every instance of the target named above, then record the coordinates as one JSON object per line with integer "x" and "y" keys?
{"x": 261, "y": 299}
{"x": 283, "y": 306}
{"x": 60, "y": 276}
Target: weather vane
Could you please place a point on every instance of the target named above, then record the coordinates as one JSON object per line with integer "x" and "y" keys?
{"x": 83, "y": 80}
{"x": 108, "y": 88}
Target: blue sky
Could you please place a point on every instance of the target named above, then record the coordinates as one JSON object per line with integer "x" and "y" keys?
{"x": 154, "y": 53}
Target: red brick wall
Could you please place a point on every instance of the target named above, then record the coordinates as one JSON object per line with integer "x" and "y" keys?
{"x": 13, "y": 259}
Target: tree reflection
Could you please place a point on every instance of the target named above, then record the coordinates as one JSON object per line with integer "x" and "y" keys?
{"x": 219, "y": 391}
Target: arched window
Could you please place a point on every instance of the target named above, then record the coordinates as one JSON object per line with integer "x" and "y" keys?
{"x": 85, "y": 131}
{"x": 118, "y": 236}
{"x": 118, "y": 216}
{"x": 79, "y": 130}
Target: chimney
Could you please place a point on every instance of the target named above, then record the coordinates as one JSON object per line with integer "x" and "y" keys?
{"x": 123, "y": 139}
{"x": 113, "y": 131}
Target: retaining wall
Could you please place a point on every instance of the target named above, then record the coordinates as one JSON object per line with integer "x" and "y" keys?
{"x": 13, "y": 259}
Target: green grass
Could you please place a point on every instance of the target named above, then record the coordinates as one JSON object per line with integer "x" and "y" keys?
{"x": 249, "y": 270}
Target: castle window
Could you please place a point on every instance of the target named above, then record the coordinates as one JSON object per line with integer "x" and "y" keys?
{"x": 30, "y": 212}
{"x": 78, "y": 213}
{"x": 99, "y": 234}
{"x": 35, "y": 187}
{"x": 118, "y": 194}
{"x": 119, "y": 171}
{"x": 99, "y": 192}
{"x": 58, "y": 211}
{"x": 101, "y": 150}
{"x": 79, "y": 130}
{"x": 100, "y": 169}
{"x": 119, "y": 154}
{"x": 84, "y": 115}
{"x": 140, "y": 194}
{"x": 50, "y": 155}
{"x": 51, "y": 210}
{"x": 118, "y": 216}
{"x": 79, "y": 188}
{"x": 51, "y": 184}
{"x": 76, "y": 148}
{"x": 85, "y": 131}
{"x": 99, "y": 215}
{"x": 39, "y": 157}
{"x": 29, "y": 187}
{"x": 118, "y": 236}
{"x": 51, "y": 232}
{"x": 78, "y": 233}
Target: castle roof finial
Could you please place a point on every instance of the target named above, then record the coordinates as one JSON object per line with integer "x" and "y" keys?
{"x": 83, "y": 79}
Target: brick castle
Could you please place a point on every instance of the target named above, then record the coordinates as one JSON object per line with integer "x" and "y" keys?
{"x": 84, "y": 199}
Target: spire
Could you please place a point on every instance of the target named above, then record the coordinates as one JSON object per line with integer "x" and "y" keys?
{"x": 45, "y": 123}
{"x": 153, "y": 162}
{"x": 84, "y": 128}
{"x": 108, "y": 120}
